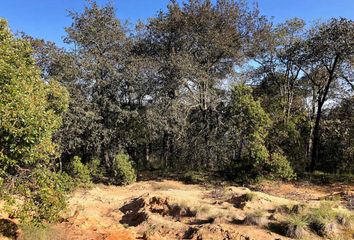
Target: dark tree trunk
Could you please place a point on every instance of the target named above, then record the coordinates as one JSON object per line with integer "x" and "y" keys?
{"x": 164, "y": 149}
{"x": 321, "y": 100}
{"x": 316, "y": 139}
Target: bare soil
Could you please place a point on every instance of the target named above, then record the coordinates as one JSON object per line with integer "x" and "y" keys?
{"x": 170, "y": 209}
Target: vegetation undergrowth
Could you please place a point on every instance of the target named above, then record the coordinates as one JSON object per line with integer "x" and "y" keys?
{"x": 123, "y": 170}
{"x": 323, "y": 220}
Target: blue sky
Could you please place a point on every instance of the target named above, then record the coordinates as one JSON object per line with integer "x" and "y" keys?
{"x": 47, "y": 18}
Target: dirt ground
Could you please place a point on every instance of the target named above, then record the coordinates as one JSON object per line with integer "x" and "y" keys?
{"x": 169, "y": 209}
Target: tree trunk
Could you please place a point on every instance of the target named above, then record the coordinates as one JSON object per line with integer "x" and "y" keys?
{"x": 147, "y": 156}
{"x": 312, "y": 116}
{"x": 316, "y": 139}
{"x": 164, "y": 148}
{"x": 321, "y": 100}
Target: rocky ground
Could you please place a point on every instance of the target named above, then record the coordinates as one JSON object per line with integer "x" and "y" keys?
{"x": 169, "y": 209}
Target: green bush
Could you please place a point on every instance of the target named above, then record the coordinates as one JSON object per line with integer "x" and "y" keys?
{"x": 44, "y": 195}
{"x": 192, "y": 177}
{"x": 97, "y": 172}
{"x": 279, "y": 167}
{"x": 123, "y": 170}
{"x": 30, "y": 113}
{"x": 78, "y": 171}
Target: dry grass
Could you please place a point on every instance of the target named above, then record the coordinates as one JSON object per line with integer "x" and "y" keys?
{"x": 323, "y": 219}
{"x": 257, "y": 218}
{"x": 251, "y": 196}
{"x": 164, "y": 186}
{"x": 345, "y": 219}
{"x": 296, "y": 226}
{"x": 43, "y": 232}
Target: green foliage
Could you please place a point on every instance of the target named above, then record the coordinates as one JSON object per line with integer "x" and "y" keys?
{"x": 337, "y": 150}
{"x": 324, "y": 214}
{"x": 279, "y": 167}
{"x": 186, "y": 116}
{"x": 99, "y": 119}
{"x": 79, "y": 171}
{"x": 319, "y": 177}
{"x": 249, "y": 125}
{"x": 193, "y": 177}
{"x": 97, "y": 172}
{"x": 44, "y": 194}
{"x": 30, "y": 113}
{"x": 323, "y": 219}
{"x": 123, "y": 170}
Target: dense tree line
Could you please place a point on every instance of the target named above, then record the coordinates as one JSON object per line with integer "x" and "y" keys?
{"x": 200, "y": 86}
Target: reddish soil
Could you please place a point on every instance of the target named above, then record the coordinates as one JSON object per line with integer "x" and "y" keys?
{"x": 156, "y": 210}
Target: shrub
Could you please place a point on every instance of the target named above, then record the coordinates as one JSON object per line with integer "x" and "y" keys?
{"x": 97, "y": 172}
{"x": 123, "y": 171}
{"x": 319, "y": 177}
{"x": 30, "y": 113}
{"x": 78, "y": 171}
{"x": 44, "y": 195}
{"x": 192, "y": 177}
{"x": 279, "y": 167}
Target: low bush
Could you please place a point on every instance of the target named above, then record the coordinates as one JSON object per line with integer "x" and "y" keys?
{"x": 324, "y": 220}
{"x": 192, "y": 177}
{"x": 261, "y": 166}
{"x": 97, "y": 172}
{"x": 279, "y": 167}
{"x": 79, "y": 171}
{"x": 123, "y": 170}
{"x": 44, "y": 196}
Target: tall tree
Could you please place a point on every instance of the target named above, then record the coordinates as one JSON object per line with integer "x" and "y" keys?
{"x": 279, "y": 85}
{"x": 197, "y": 46}
{"x": 328, "y": 52}
{"x": 103, "y": 101}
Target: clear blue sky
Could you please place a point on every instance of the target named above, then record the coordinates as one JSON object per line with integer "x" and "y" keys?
{"x": 47, "y": 18}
